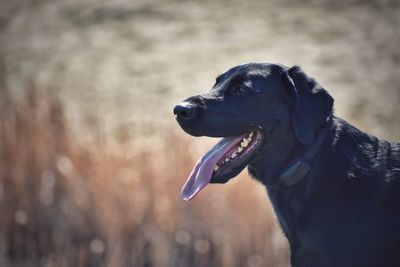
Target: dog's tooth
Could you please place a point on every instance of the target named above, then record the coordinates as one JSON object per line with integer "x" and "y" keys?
{"x": 227, "y": 160}
{"x": 251, "y": 134}
{"x": 244, "y": 144}
{"x": 240, "y": 149}
{"x": 234, "y": 155}
{"x": 216, "y": 168}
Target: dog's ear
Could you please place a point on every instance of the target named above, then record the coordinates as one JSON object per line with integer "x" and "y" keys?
{"x": 311, "y": 104}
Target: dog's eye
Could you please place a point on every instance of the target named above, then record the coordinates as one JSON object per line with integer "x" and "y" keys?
{"x": 238, "y": 86}
{"x": 239, "y": 91}
{"x": 242, "y": 87}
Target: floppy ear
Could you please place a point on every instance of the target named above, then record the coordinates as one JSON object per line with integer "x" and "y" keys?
{"x": 311, "y": 104}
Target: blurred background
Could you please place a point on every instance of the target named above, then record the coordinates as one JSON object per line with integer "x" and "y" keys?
{"x": 91, "y": 159}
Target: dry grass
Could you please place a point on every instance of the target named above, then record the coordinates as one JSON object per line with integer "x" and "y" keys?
{"x": 72, "y": 201}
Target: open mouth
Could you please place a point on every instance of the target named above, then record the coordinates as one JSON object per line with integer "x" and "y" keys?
{"x": 225, "y": 159}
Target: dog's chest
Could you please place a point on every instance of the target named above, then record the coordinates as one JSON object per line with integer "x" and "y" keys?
{"x": 338, "y": 233}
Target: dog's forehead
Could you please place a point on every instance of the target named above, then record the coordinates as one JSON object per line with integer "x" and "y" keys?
{"x": 249, "y": 69}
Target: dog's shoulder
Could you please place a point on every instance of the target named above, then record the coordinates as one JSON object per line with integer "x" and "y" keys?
{"x": 367, "y": 156}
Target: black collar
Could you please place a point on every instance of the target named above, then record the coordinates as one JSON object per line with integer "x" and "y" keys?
{"x": 299, "y": 169}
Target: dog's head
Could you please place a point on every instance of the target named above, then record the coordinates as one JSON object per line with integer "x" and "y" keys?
{"x": 253, "y": 107}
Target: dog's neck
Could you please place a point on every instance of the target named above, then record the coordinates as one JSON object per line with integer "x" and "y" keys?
{"x": 288, "y": 161}
{"x": 269, "y": 170}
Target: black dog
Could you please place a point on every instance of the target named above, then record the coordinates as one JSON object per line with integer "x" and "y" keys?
{"x": 334, "y": 188}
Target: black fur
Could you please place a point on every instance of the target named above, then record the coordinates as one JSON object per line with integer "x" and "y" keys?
{"x": 346, "y": 211}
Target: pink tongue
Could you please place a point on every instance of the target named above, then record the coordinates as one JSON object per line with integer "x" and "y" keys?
{"x": 203, "y": 170}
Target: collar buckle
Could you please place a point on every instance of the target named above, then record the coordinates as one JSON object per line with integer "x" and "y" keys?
{"x": 295, "y": 173}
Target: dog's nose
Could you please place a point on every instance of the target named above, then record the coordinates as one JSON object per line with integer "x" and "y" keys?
{"x": 185, "y": 111}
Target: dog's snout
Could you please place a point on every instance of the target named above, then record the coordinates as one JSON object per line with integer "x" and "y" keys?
{"x": 185, "y": 111}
